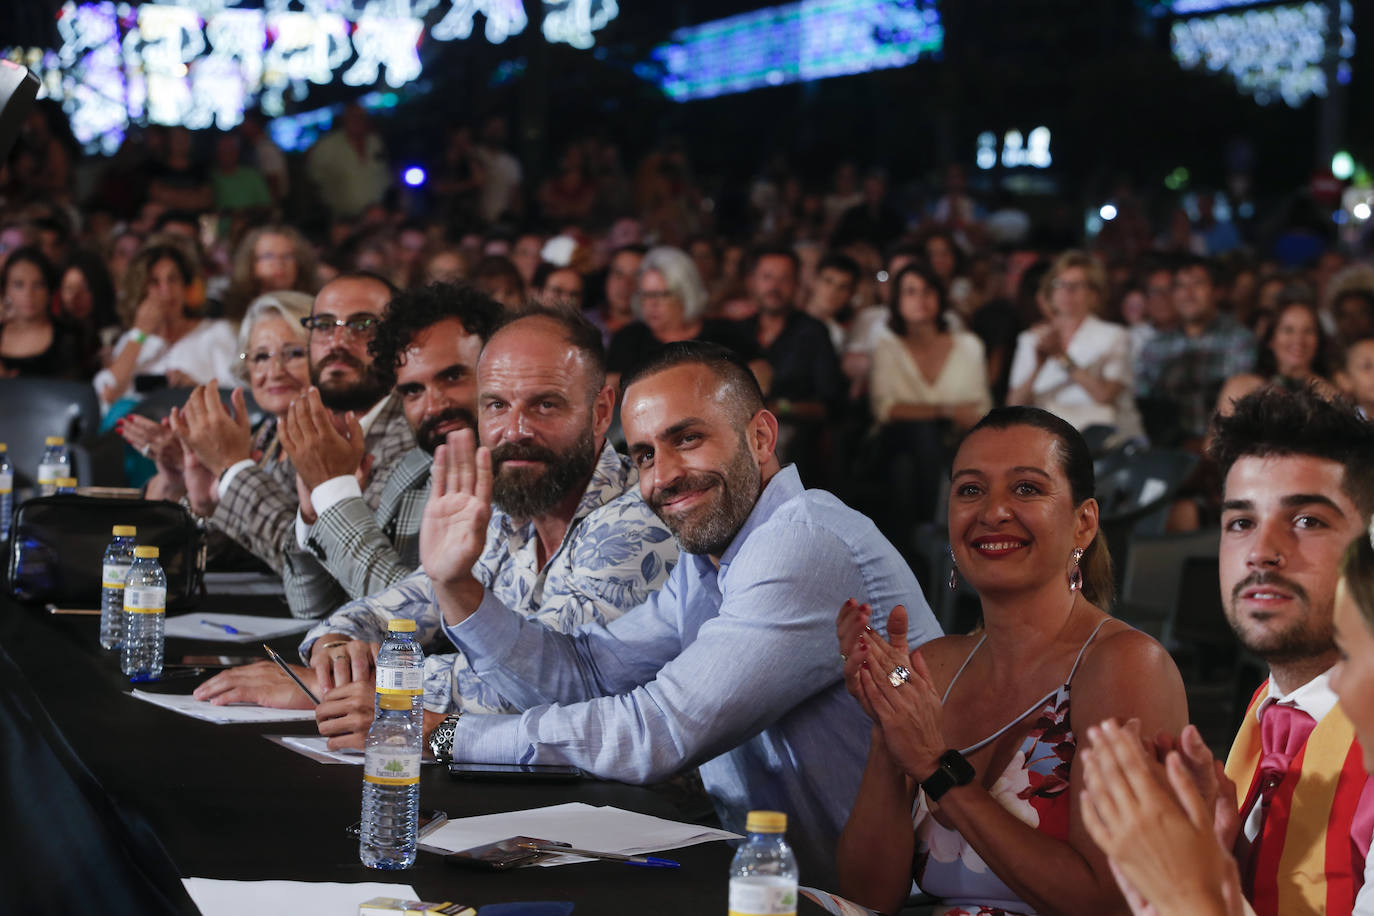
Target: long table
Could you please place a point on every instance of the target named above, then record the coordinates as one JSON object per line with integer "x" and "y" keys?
{"x": 223, "y": 802}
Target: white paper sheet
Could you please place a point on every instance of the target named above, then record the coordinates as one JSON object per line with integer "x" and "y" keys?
{"x": 188, "y": 705}
{"x": 243, "y": 583}
{"x": 602, "y": 828}
{"x": 316, "y": 747}
{"x": 287, "y": 898}
{"x": 250, "y": 628}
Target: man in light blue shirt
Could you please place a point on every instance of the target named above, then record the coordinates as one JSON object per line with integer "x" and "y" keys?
{"x": 734, "y": 664}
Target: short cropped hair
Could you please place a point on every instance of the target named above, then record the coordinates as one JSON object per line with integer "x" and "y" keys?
{"x": 1276, "y": 422}
{"x": 735, "y": 376}
{"x": 772, "y": 251}
{"x": 680, "y": 276}
{"x": 836, "y": 260}
{"x": 413, "y": 310}
{"x": 581, "y": 335}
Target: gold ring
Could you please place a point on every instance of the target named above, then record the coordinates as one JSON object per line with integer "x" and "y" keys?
{"x": 335, "y": 644}
{"x": 338, "y": 655}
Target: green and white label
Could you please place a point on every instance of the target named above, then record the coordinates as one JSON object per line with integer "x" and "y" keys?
{"x": 112, "y": 575}
{"x": 764, "y": 895}
{"x": 6, "y": 483}
{"x": 387, "y": 766}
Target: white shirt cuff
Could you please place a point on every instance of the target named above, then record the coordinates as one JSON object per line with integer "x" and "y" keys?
{"x": 302, "y": 530}
{"x": 334, "y": 491}
{"x": 232, "y": 471}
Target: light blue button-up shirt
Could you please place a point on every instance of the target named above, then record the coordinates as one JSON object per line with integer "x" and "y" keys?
{"x": 735, "y": 669}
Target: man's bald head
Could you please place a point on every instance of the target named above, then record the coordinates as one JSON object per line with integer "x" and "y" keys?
{"x": 743, "y": 396}
{"x": 575, "y": 330}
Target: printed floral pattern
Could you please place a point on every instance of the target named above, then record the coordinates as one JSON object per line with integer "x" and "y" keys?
{"x": 614, "y": 556}
{"x": 1034, "y": 788}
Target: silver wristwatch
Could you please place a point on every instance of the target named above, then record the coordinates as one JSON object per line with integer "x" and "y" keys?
{"x": 441, "y": 739}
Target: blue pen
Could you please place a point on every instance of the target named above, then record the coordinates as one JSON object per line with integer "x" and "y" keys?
{"x": 641, "y": 861}
{"x": 221, "y": 626}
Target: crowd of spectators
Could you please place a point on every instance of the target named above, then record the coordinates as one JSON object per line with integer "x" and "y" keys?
{"x": 880, "y": 323}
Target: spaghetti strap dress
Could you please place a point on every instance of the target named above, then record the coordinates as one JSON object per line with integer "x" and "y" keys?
{"x": 1034, "y": 787}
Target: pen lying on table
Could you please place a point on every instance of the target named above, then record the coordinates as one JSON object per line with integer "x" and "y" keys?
{"x": 76, "y": 611}
{"x": 643, "y": 861}
{"x": 289, "y": 673}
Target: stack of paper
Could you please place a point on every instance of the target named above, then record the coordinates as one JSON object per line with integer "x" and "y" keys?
{"x": 288, "y": 898}
{"x": 602, "y": 828}
{"x": 243, "y": 583}
{"x": 234, "y": 627}
{"x": 188, "y": 705}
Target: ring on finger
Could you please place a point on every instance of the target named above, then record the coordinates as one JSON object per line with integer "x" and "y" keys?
{"x": 898, "y": 676}
{"x": 843, "y": 657}
{"x": 339, "y": 655}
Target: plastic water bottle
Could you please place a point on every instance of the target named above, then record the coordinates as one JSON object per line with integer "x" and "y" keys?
{"x": 391, "y": 786}
{"x": 401, "y": 667}
{"x": 114, "y": 569}
{"x": 66, "y": 485}
{"x": 6, "y": 491}
{"x": 55, "y": 463}
{"x": 145, "y": 612}
{"x": 763, "y": 875}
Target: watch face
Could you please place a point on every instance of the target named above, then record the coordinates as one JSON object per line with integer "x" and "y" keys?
{"x": 957, "y": 765}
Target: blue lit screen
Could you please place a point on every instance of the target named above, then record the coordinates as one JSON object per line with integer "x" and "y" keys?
{"x": 797, "y": 42}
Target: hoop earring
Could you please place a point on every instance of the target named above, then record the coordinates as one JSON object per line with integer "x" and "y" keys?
{"x": 953, "y": 582}
{"x": 1076, "y": 573}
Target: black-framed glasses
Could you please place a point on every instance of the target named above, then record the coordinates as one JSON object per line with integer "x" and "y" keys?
{"x": 288, "y": 354}
{"x": 360, "y": 324}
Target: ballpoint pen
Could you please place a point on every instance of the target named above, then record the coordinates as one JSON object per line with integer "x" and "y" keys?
{"x": 642, "y": 861}
{"x": 291, "y": 674}
{"x": 235, "y": 631}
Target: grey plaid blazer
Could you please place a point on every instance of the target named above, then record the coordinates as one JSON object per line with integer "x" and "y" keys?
{"x": 353, "y": 551}
{"x": 258, "y": 509}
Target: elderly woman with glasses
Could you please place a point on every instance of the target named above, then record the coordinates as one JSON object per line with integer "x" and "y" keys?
{"x": 274, "y": 360}
{"x": 1074, "y": 364}
{"x": 670, "y": 305}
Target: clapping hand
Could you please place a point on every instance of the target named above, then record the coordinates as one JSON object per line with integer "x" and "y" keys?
{"x": 453, "y": 532}
{"x": 153, "y": 440}
{"x": 321, "y": 446}
{"x": 907, "y": 710}
{"x": 218, "y": 438}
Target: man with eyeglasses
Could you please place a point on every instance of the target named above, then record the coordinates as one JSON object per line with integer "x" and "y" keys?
{"x": 427, "y": 345}
{"x": 344, "y": 425}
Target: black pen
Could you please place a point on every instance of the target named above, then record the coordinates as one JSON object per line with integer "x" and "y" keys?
{"x": 289, "y": 673}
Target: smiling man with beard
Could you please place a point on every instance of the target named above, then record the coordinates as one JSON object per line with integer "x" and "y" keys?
{"x": 345, "y": 424}
{"x": 569, "y": 540}
{"x": 1299, "y": 488}
{"x": 730, "y": 666}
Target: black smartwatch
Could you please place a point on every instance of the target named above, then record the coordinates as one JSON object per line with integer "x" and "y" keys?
{"x": 954, "y": 770}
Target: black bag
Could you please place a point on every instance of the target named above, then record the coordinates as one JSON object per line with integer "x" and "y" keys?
{"x": 57, "y": 543}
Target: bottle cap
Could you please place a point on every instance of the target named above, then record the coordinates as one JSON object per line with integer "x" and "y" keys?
{"x": 146, "y": 553}
{"x": 54, "y": 440}
{"x": 401, "y": 625}
{"x": 66, "y": 481}
{"x": 766, "y": 822}
{"x": 125, "y": 531}
{"x": 393, "y": 700}
{"x": 4, "y": 447}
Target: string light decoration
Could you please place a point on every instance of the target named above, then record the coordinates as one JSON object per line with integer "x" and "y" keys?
{"x": 1272, "y": 53}
{"x": 796, "y": 42}
{"x": 201, "y": 63}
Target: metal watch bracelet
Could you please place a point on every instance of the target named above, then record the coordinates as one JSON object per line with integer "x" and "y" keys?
{"x": 441, "y": 739}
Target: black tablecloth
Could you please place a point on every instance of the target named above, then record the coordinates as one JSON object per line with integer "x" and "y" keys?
{"x": 112, "y": 799}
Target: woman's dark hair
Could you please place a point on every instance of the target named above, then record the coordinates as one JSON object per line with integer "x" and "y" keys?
{"x": 1357, "y": 570}
{"x": 894, "y": 299}
{"x": 1076, "y": 461}
{"x": 92, "y": 267}
{"x": 1267, "y": 365}
{"x": 30, "y": 254}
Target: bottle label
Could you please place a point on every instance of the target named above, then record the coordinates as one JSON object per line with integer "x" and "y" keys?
{"x": 6, "y": 483}
{"x": 49, "y": 473}
{"x": 112, "y": 575}
{"x": 749, "y": 898}
{"x": 145, "y": 600}
{"x": 400, "y": 681}
{"x": 392, "y": 766}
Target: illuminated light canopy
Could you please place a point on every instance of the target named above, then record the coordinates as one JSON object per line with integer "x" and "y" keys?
{"x": 797, "y": 42}
{"x": 1343, "y": 165}
{"x": 201, "y": 63}
{"x": 1018, "y": 150}
{"x": 413, "y": 176}
{"x": 1361, "y": 211}
{"x": 1107, "y": 212}
{"x": 1274, "y": 52}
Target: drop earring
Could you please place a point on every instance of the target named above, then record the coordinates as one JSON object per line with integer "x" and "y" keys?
{"x": 953, "y": 572}
{"x": 1076, "y": 573}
